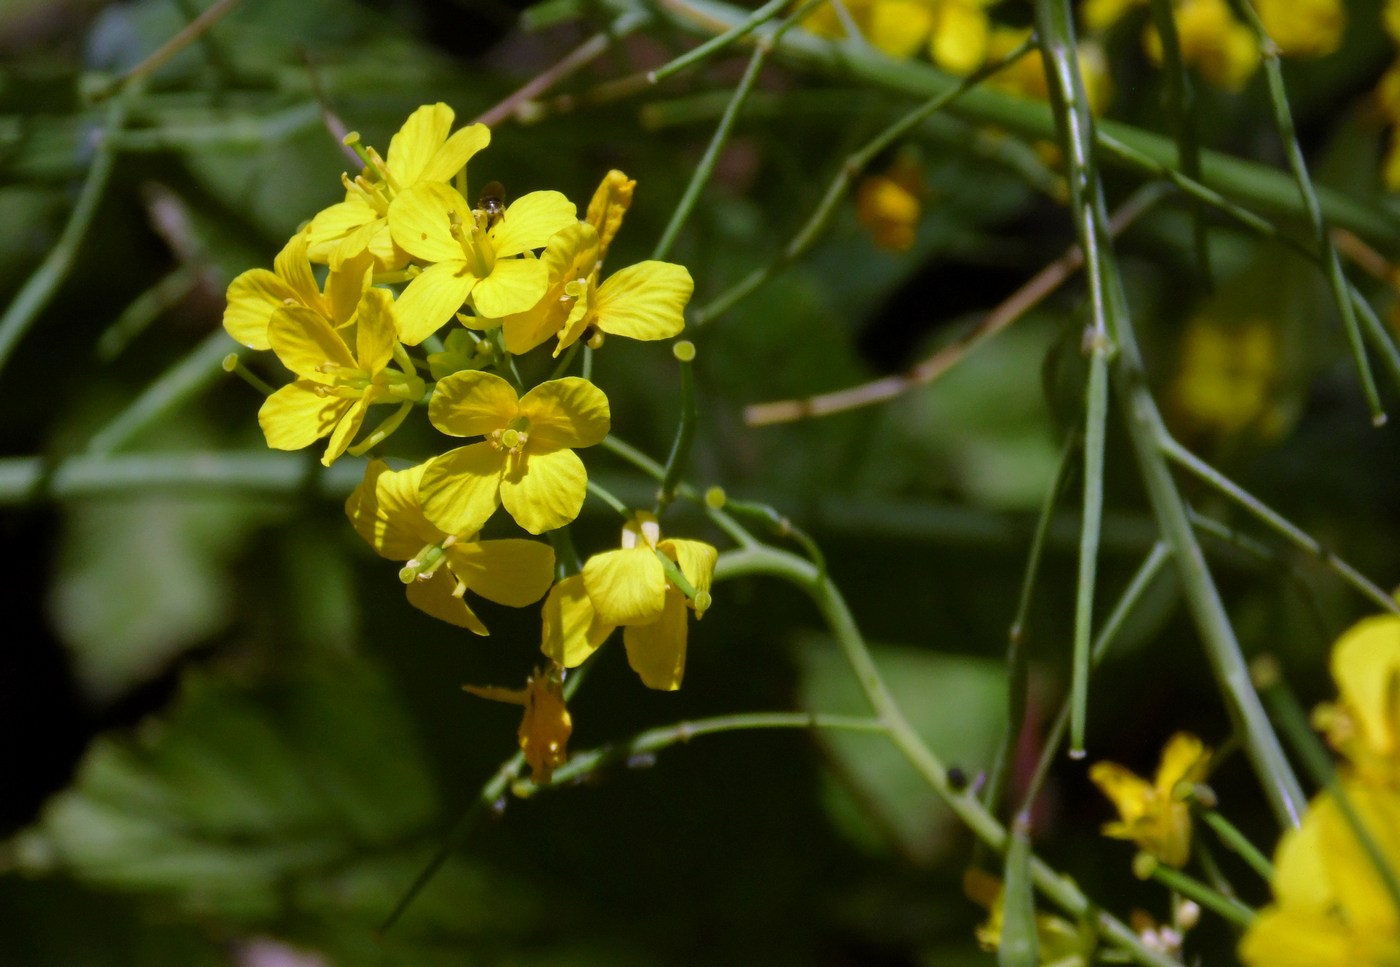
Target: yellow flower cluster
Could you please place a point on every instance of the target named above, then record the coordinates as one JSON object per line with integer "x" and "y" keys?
{"x": 1221, "y": 48}
{"x": 1336, "y": 900}
{"x": 1388, "y": 99}
{"x": 406, "y": 255}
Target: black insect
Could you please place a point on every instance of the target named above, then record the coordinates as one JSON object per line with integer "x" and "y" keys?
{"x": 492, "y": 202}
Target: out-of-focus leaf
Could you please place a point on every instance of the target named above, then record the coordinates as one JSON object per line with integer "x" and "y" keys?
{"x": 958, "y": 706}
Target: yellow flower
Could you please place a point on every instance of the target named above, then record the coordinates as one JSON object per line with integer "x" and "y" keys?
{"x": 1212, "y": 41}
{"x": 1099, "y": 15}
{"x": 1331, "y": 907}
{"x": 630, "y": 587}
{"x": 422, "y": 152}
{"x": 527, "y": 460}
{"x": 386, "y": 511}
{"x": 256, "y": 294}
{"x": 888, "y": 205}
{"x": 1304, "y": 28}
{"x": 545, "y": 729}
{"x": 336, "y": 385}
{"x": 469, "y": 254}
{"x": 956, "y": 31}
{"x": 1059, "y": 942}
{"x": 1364, "y": 724}
{"x": 1226, "y": 378}
{"x": 1026, "y": 77}
{"x": 1154, "y": 815}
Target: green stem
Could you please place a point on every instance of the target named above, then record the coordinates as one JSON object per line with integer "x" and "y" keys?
{"x": 685, "y": 431}
{"x": 832, "y": 606}
{"x": 146, "y": 308}
{"x": 1227, "y": 907}
{"x": 651, "y": 468}
{"x": 603, "y": 494}
{"x": 718, "y": 43}
{"x": 1237, "y": 843}
{"x": 1280, "y": 524}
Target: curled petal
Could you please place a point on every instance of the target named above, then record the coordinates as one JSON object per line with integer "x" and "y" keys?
{"x": 434, "y": 596}
{"x": 331, "y": 226}
{"x": 304, "y": 341}
{"x": 609, "y": 204}
{"x": 384, "y": 510}
{"x": 349, "y": 425}
{"x": 455, "y": 152}
{"x": 695, "y": 558}
{"x": 421, "y": 219}
{"x": 377, "y": 331}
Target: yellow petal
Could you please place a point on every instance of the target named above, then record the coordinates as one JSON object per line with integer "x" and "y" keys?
{"x": 349, "y": 424}
{"x": 345, "y": 286}
{"x": 1366, "y": 666}
{"x": 431, "y": 299}
{"x": 332, "y": 225}
{"x": 572, "y": 628}
{"x": 252, "y": 299}
{"x": 627, "y": 586}
{"x": 460, "y": 490}
{"x": 421, "y": 219}
{"x": 695, "y": 558}
{"x": 1350, "y": 869}
{"x": 656, "y": 651}
{"x": 609, "y": 204}
{"x": 305, "y": 342}
{"x": 456, "y": 152}
{"x": 513, "y": 285}
{"x": 293, "y": 266}
{"x": 571, "y": 254}
{"x": 472, "y": 403}
{"x": 434, "y": 596}
{"x": 568, "y": 412}
{"x": 898, "y": 27}
{"x": 1129, "y": 792}
{"x": 384, "y": 510}
{"x": 1184, "y": 759}
{"x": 1101, "y": 14}
{"x": 959, "y": 41}
{"x": 296, "y": 416}
{"x": 417, "y": 141}
{"x": 510, "y": 572}
{"x": 530, "y": 221}
{"x": 1279, "y": 937}
{"x": 644, "y": 301}
{"x": 377, "y": 331}
{"x": 544, "y": 490}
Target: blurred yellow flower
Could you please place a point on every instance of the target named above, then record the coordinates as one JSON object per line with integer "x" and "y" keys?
{"x": 889, "y": 205}
{"x": 1153, "y": 814}
{"x": 955, "y": 32}
{"x": 1227, "y": 378}
{"x": 1331, "y": 908}
{"x": 386, "y": 511}
{"x": 546, "y": 726}
{"x": 527, "y": 461}
{"x": 1364, "y": 723}
{"x": 1304, "y": 28}
{"x": 1212, "y": 41}
{"x": 1026, "y": 77}
{"x": 1059, "y": 942}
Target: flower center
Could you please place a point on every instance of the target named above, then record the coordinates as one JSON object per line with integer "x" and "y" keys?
{"x": 513, "y": 437}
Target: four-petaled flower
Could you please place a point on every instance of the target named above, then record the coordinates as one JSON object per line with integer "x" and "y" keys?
{"x": 386, "y": 511}
{"x": 256, "y": 294}
{"x": 336, "y": 385}
{"x": 1154, "y": 814}
{"x": 631, "y": 587}
{"x": 526, "y": 461}
{"x": 470, "y": 254}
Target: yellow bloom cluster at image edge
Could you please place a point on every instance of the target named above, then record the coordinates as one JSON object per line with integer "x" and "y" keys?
{"x": 1331, "y": 906}
{"x": 1155, "y": 815}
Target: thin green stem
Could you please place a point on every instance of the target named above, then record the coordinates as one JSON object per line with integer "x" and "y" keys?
{"x": 146, "y": 308}
{"x": 1095, "y": 426}
{"x": 1180, "y": 107}
{"x": 651, "y": 468}
{"x": 1276, "y": 521}
{"x": 718, "y": 43}
{"x": 1331, "y": 261}
{"x": 35, "y": 294}
{"x": 840, "y": 186}
{"x": 1193, "y": 889}
{"x": 832, "y": 606}
{"x": 1236, "y": 842}
{"x": 1020, "y": 943}
{"x": 684, "y": 352}
{"x": 584, "y": 764}
{"x": 603, "y": 494}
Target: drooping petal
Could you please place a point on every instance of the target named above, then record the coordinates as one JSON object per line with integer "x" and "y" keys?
{"x": 377, "y": 331}
{"x": 417, "y": 141}
{"x": 305, "y": 343}
{"x": 384, "y": 510}
{"x": 568, "y": 412}
{"x": 511, "y": 572}
{"x": 530, "y": 221}
{"x": 472, "y": 403}
{"x": 544, "y": 490}
{"x": 656, "y": 651}
{"x": 294, "y": 266}
{"x": 421, "y": 221}
{"x": 513, "y": 285}
{"x": 607, "y": 207}
{"x": 344, "y": 433}
{"x": 573, "y": 631}
{"x": 430, "y": 300}
{"x": 570, "y": 255}
{"x": 460, "y": 490}
{"x": 296, "y": 416}
{"x": 455, "y": 152}
{"x": 627, "y": 586}
{"x": 252, "y": 299}
{"x": 696, "y": 560}
{"x": 644, "y": 301}
{"x": 434, "y": 596}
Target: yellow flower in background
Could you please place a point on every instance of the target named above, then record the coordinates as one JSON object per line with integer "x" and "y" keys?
{"x": 385, "y": 509}
{"x": 1364, "y": 723}
{"x": 889, "y": 205}
{"x": 1026, "y": 77}
{"x": 422, "y": 152}
{"x": 546, "y": 727}
{"x": 1331, "y": 908}
{"x": 470, "y": 254}
{"x": 1059, "y": 942}
{"x": 1304, "y": 28}
{"x": 1153, "y": 814}
{"x": 256, "y": 294}
{"x": 1212, "y": 41}
{"x": 1227, "y": 378}
{"x": 1099, "y": 15}
{"x": 335, "y": 385}
{"x": 527, "y": 461}
{"x": 955, "y": 32}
